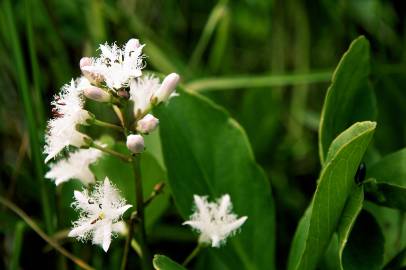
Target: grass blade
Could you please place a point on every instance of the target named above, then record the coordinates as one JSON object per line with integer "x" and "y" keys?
{"x": 22, "y": 82}
{"x": 247, "y": 81}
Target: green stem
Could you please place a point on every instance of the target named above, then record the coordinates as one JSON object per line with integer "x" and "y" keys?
{"x": 42, "y": 234}
{"x": 106, "y": 125}
{"x": 127, "y": 243}
{"x": 29, "y": 113}
{"x": 146, "y": 257}
{"x": 192, "y": 255}
{"x": 111, "y": 152}
{"x": 247, "y": 81}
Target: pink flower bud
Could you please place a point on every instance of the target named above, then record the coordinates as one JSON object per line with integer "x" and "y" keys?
{"x": 147, "y": 124}
{"x": 97, "y": 94}
{"x": 132, "y": 45}
{"x": 135, "y": 143}
{"x": 85, "y": 61}
{"x": 86, "y": 64}
{"x": 167, "y": 88}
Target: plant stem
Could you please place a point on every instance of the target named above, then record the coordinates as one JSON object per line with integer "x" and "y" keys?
{"x": 42, "y": 234}
{"x": 111, "y": 152}
{"x": 158, "y": 189}
{"x": 192, "y": 255}
{"x": 127, "y": 243}
{"x": 146, "y": 258}
{"x": 107, "y": 125}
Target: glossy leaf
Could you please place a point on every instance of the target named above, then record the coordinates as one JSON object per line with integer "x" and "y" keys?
{"x": 387, "y": 185}
{"x": 207, "y": 153}
{"x": 335, "y": 184}
{"x": 390, "y": 169}
{"x": 386, "y": 194}
{"x": 349, "y": 98}
{"x": 162, "y": 262}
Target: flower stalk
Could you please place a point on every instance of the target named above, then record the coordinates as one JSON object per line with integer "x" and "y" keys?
{"x": 111, "y": 152}
{"x": 192, "y": 255}
{"x": 146, "y": 257}
{"x": 106, "y": 125}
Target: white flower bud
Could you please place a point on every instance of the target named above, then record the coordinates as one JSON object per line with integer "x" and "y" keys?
{"x": 166, "y": 89}
{"x": 97, "y": 94}
{"x": 85, "y": 61}
{"x": 132, "y": 45}
{"x": 135, "y": 143}
{"x": 86, "y": 65}
{"x": 147, "y": 124}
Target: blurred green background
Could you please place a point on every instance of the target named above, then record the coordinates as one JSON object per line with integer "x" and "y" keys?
{"x": 268, "y": 63}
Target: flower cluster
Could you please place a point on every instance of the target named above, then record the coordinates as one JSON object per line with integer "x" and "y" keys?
{"x": 114, "y": 77}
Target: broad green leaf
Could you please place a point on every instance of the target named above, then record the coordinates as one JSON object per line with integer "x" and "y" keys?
{"x": 365, "y": 246}
{"x": 390, "y": 169}
{"x": 387, "y": 185}
{"x": 398, "y": 262}
{"x": 392, "y": 223}
{"x": 335, "y": 184}
{"x": 349, "y": 98}
{"x": 339, "y": 240}
{"x": 207, "y": 153}
{"x": 162, "y": 262}
{"x": 122, "y": 175}
{"x": 386, "y": 194}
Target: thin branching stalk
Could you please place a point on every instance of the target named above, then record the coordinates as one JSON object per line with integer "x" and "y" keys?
{"x": 192, "y": 255}
{"x": 43, "y": 235}
{"x": 119, "y": 155}
{"x": 106, "y": 125}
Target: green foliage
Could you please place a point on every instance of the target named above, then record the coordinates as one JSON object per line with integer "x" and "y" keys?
{"x": 207, "y": 153}
{"x": 335, "y": 184}
{"x": 267, "y": 63}
{"x": 162, "y": 262}
{"x": 349, "y": 98}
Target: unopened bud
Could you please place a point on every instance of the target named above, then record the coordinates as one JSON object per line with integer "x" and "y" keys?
{"x": 97, "y": 94}
{"x": 86, "y": 64}
{"x": 85, "y": 61}
{"x": 147, "y": 124}
{"x": 132, "y": 45}
{"x": 135, "y": 143}
{"x": 123, "y": 93}
{"x": 166, "y": 89}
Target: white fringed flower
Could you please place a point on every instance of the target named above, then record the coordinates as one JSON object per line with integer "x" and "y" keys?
{"x": 68, "y": 111}
{"x": 117, "y": 66}
{"x": 214, "y": 220}
{"x": 100, "y": 213}
{"x": 141, "y": 91}
{"x": 147, "y": 90}
{"x": 76, "y": 166}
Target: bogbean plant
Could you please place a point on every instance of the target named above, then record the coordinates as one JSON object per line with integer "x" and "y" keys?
{"x": 115, "y": 79}
{"x": 211, "y": 169}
